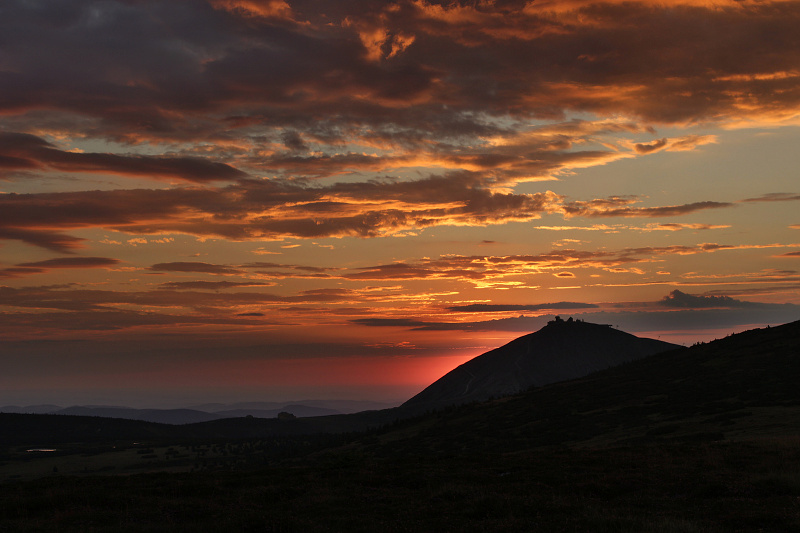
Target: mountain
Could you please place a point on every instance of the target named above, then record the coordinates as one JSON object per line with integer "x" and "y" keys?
{"x": 190, "y": 416}
{"x": 160, "y": 416}
{"x": 742, "y": 387}
{"x": 29, "y": 409}
{"x": 298, "y": 410}
{"x": 562, "y": 350}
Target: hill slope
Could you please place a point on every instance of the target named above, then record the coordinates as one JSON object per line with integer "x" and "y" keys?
{"x": 740, "y": 387}
{"x": 560, "y": 351}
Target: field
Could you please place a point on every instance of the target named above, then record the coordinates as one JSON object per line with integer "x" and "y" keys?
{"x": 367, "y": 486}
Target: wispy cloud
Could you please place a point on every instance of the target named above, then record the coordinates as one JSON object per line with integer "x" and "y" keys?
{"x": 38, "y": 267}
{"x": 20, "y": 151}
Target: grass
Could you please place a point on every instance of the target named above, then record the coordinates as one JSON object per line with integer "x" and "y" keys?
{"x": 729, "y": 486}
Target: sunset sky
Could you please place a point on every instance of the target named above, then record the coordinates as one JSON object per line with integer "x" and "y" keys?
{"x": 225, "y": 200}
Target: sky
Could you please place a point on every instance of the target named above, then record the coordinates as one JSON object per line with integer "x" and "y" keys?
{"x": 230, "y": 200}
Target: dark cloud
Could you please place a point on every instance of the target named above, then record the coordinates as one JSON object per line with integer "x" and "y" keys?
{"x": 516, "y": 324}
{"x": 521, "y": 323}
{"x": 293, "y": 141}
{"x": 113, "y": 320}
{"x": 38, "y": 267}
{"x": 50, "y": 240}
{"x": 305, "y": 268}
{"x": 652, "y": 147}
{"x": 72, "y": 262}
{"x": 324, "y": 295}
{"x": 682, "y": 300}
{"x": 393, "y": 67}
{"x": 212, "y": 285}
{"x": 81, "y": 299}
{"x": 775, "y": 197}
{"x": 619, "y": 207}
{"x": 31, "y": 152}
{"x": 193, "y": 266}
{"x": 389, "y": 322}
{"x": 492, "y": 308}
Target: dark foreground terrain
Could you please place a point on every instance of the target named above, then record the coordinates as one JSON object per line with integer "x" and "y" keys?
{"x": 699, "y": 439}
{"x": 744, "y": 486}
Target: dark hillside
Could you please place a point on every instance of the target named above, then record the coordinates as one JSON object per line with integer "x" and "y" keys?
{"x": 47, "y": 430}
{"x": 40, "y": 430}
{"x": 560, "y": 351}
{"x": 743, "y": 386}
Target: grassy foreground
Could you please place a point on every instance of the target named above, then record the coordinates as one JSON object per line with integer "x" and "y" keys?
{"x": 713, "y": 486}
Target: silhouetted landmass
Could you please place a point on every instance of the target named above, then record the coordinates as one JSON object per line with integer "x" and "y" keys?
{"x": 700, "y": 439}
{"x": 188, "y": 416}
{"x": 49, "y": 430}
{"x": 562, "y": 350}
{"x": 742, "y": 386}
{"x": 191, "y": 416}
{"x": 161, "y": 416}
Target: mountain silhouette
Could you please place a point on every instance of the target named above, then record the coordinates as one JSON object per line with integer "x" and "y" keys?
{"x": 562, "y": 350}
{"x": 741, "y": 387}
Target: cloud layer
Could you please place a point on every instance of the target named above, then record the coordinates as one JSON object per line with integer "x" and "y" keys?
{"x": 274, "y": 95}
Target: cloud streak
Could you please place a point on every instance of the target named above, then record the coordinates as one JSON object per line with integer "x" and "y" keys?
{"x": 38, "y": 267}
{"x": 274, "y": 210}
{"x": 19, "y": 151}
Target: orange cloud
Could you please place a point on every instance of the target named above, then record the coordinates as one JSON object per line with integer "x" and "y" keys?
{"x": 256, "y": 8}
{"x": 676, "y": 226}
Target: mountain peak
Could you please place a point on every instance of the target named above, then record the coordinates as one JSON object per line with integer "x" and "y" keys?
{"x": 562, "y": 350}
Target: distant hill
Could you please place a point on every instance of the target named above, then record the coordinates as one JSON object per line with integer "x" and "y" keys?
{"x": 161, "y": 416}
{"x": 741, "y": 387}
{"x": 562, "y": 350}
{"x": 30, "y": 409}
{"x": 189, "y": 416}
